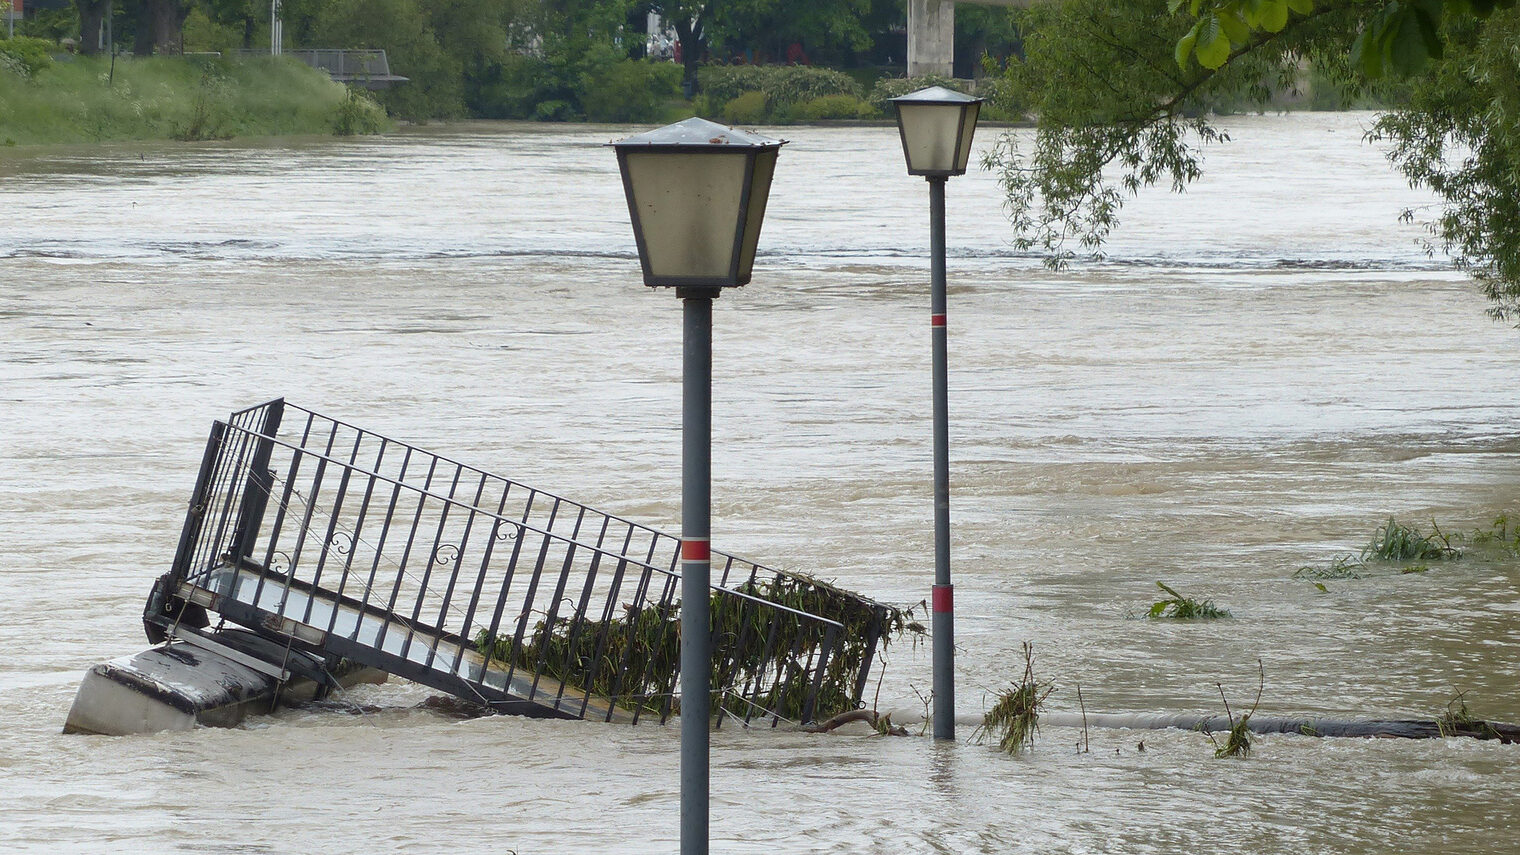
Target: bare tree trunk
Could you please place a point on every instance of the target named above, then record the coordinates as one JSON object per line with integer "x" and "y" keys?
{"x": 693, "y": 39}
{"x": 159, "y": 27}
{"x": 92, "y": 18}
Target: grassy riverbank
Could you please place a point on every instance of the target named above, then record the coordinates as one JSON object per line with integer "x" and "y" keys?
{"x": 81, "y": 99}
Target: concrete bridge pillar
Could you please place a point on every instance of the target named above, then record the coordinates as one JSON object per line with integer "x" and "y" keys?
{"x": 931, "y": 37}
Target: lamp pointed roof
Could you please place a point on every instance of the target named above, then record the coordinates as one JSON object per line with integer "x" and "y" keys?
{"x": 936, "y": 95}
{"x": 697, "y": 132}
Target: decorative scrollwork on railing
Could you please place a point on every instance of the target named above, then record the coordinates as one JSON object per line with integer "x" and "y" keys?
{"x": 507, "y": 531}
{"x": 279, "y": 562}
{"x": 445, "y": 554}
{"x": 341, "y": 542}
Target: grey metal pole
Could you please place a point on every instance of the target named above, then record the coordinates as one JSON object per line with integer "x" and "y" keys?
{"x": 942, "y": 602}
{"x": 696, "y": 566}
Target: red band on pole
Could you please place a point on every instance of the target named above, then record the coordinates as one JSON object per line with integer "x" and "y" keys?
{"x": 696, "y": 549}
{"x": 944, "y": 598}
{"x": 936, "y": 320}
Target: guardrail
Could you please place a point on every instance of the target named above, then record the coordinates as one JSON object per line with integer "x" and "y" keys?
{"x": 322, "y": 534}
{"x": 366, "y": 67}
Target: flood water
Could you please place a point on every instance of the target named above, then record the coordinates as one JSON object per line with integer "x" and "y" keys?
{"x": 1258, "y": 375}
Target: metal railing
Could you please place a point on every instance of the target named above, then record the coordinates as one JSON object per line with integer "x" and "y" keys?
{"x": 322, "y": 534}
{"x": 346, "y": 65}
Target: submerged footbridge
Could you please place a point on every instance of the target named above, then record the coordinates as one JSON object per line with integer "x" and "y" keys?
{"x": 348, "y": 548}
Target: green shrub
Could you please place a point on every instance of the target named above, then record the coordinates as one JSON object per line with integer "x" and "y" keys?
{"x": 208, "y": 117}
{"x": 794, "y": 84}
{"x": 514, "y": 87}
{"x": 1004, "y": 100}
{"x": 51, "y": 24}
{"x": 629, "y": 90}
{"x": 723, "y": 83}
{"x": 749, "y": 108}
{"x": 785, "y": 87}
{"x": 834, "y": 107}
{"x": 26, "y": 56}
{"x": 358, "y": 114}
{"x": 553, "y": 110}
{"x": 167, "y": 97}
{"x": 200, "y": 33}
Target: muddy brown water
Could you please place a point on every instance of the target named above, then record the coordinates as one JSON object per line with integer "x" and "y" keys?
{"x": 1258, "y": 374}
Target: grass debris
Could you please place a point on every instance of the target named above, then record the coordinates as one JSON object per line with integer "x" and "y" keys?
{"x": 1396, "y": 542}
{"x": 763, "y": 656}
{"x": 1178, "y": 607}
{"x": 1238, "y": 742}
{"x": 1344, "y": 567}
{"x": 1499, "y": 535}
{"x": 1458, "y": 721}
{"x": 1015, "y": 718}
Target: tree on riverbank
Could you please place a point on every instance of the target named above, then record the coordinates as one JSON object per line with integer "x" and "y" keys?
{"x": 151, "y": 26}
{"x": 1122, "y": 92}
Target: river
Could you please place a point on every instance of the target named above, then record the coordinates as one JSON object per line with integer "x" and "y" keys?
{"x": 1258, "y": 374}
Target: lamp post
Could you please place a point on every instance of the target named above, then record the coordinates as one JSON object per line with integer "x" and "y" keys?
{"x": 936, "y": 125}
{"x": 696, "y": 195}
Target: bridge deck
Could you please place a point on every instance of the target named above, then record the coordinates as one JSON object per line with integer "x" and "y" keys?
{"x": 327, "y": 614}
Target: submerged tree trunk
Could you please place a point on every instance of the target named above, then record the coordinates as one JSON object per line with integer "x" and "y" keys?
{"x": 1319, "y": 727}
{"x": 1428, "y": 728}
{"x": 92, "y": 19}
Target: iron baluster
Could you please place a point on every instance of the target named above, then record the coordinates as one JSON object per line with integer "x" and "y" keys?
{"x": 552, "y": 616}
{"x": 195, "y": 513}
{"x": 437, "y": 557}
{"x": 532, "y": 593}
{"x": 411, "y": 540}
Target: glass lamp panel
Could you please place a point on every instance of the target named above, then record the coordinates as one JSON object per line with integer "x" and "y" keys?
{"x": 688, "y": 210}
{"x": 759, "y": 192}
{"x": 968, "y": 127}
{"x": 929, "y": 132}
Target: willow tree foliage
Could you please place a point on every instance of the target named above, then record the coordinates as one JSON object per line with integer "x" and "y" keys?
{"x": 1123, "y": 92}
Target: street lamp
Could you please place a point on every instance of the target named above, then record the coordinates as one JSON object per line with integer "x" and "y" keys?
{"x": 936, "y": 125}
{"x": 696, "y": 195}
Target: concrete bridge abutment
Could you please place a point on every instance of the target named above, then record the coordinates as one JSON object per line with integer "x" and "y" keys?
{"x": 931, "y": 34}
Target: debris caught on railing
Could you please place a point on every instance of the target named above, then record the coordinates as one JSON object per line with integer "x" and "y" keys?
{"x": 336, "y": 543}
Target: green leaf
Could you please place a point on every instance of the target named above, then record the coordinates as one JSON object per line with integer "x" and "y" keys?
{"x": 1274, "y": 15}
{"x": 1185, "y": 46}
{"x": 1428, "y": 13}
{"x": 1302, "y": 7}
{"x": 1174, "y": 5}
{"x": 1364, "y": 55}
{"x": 1407, "y": 46}
{"x": 1213, "y": 45}
{"x": 1234, "y": 27}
